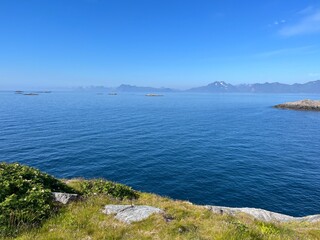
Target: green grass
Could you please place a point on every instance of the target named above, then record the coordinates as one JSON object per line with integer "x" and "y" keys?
{"x": 84, "y": 220}
{"x": 26, "y": 199}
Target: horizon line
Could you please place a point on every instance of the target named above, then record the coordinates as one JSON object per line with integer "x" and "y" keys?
{"x": 39, "y": 88}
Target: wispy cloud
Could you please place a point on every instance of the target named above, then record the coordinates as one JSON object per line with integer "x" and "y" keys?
{"x": 278, "y": 22}
{"x": 314, "y": 74}
{"x": 308, "y": 24}
{"x": 307, "y": 10}
{"x": 287, "y": 51}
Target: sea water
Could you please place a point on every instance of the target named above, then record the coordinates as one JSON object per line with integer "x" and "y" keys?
{"x": 219, "y": 149}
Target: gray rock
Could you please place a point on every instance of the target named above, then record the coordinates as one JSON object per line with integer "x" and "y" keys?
{"x": 64, "y": 198}
{"x": 129, "y": 214}
{"x": 310, "y": 218}
{"x": 263, "y": 215}
{"x": 309, "y": 105}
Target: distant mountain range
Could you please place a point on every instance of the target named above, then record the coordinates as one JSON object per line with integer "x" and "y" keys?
{"x": 130, "y": 88}
{"x": 223, "y": 87}
{"x": 126, "y": 88}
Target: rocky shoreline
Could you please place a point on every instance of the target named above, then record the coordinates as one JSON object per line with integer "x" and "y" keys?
{"x": 136, "y": 213}
{"x": 100, "y": 209}
{"x": 263, "y": 215}
{"x": 305, "y": 105}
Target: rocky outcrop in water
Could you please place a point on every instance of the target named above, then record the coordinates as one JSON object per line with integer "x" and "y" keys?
{"x": 153, "y": 95}
{"x": 31, "y": 94}
{"x": 262, "y": 215}
{"x": 129, "y": 213}
{"x": 309, "y": 105}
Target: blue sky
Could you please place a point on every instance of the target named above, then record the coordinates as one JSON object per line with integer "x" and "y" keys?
{"x": 172, "y": 43}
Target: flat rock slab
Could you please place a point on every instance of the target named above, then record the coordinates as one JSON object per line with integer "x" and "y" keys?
{"x": 64, "y": 198}
{"x": 129, "y": 214}
{"x": 263, "y": 215}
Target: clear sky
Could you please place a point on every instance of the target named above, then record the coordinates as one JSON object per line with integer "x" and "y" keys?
{"x": 172, "y": 43}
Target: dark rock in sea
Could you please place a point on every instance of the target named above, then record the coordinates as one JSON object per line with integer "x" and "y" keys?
{"x": 307, "y": 105}
{"x": 31, "y": 94}
{"x": 43, "y": 92}
{"x": 153, "y": 95}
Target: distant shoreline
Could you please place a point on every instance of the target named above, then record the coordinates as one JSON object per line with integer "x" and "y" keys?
{"x": 214, "y": 87}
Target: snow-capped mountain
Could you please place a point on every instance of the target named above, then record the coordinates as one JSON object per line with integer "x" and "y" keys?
{"x": 275, "y": 87}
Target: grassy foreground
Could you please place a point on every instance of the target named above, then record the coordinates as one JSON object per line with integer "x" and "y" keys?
{"x": 83, "y": 220}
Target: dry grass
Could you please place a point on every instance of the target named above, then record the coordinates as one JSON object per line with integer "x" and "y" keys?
{"x": 84, "y": 220}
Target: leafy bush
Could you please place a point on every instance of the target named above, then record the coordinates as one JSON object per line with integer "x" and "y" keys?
{"x": 100, "y": 186}
{"x": 25, "y": 197}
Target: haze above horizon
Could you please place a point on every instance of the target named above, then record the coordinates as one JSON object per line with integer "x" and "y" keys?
{"x": 176, "y": 44}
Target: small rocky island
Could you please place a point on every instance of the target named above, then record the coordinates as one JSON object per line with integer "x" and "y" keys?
{"x": 153, "y": 95}
{"x": 31, "y": 94}
{"x": 307, "y": 105}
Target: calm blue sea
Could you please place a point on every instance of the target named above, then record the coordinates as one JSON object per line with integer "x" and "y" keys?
{"x": 220, "y": 149}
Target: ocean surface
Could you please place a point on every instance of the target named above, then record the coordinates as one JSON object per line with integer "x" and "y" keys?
{"x": 219, "y": 149}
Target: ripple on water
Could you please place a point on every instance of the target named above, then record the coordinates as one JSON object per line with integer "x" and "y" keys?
{"x": 227, "y": 149}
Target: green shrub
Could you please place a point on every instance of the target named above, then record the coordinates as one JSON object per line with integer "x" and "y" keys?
{"x": 25, "y": 197}
{"x": 100, "y": 186}
{"x": 268, "y": 228}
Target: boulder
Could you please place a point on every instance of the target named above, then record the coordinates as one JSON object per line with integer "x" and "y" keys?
{"x": 130, "y": 213}
{"x": 64, "y": 198}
